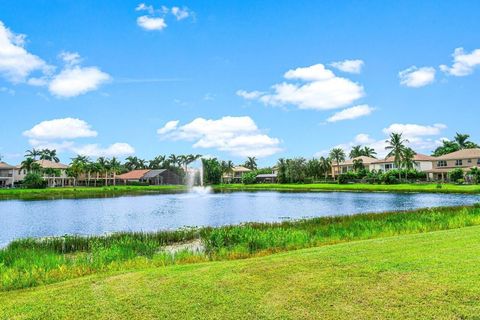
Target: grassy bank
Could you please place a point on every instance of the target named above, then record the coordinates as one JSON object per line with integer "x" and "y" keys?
{"x": 360, "y": 187}
{"x": 422, "y": 276}
{"x": 30, "y": 262}
{"x": 86, "y": 192}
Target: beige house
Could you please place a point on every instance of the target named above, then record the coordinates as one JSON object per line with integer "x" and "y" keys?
{"x": 54, "y": 180}
{"x": 464, "y": 159}
{"x": 7, "y": 175}
{"x": 347, "y": 165}
{"x": 421, "y": 162}
{"x": 235, "y": 175}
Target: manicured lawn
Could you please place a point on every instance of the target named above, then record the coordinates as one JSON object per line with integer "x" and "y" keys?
{"x": 428, "y": 187}
{"x": 422, "y": 276}
{"x": 72, "y": 192}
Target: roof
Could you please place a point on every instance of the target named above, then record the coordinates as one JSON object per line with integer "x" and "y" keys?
{"x": 365, "y": 160}
{"x": 461, "y": 154}
{"x": 47, "y": 164}
{"x": 153, "y": 173}
{"x": 417, "y": 157}
{"x": 267, "y": 175}
{"x": 240, "y": 169}
{"x": 4, "y": 165}
{"x": 133, "y": 175}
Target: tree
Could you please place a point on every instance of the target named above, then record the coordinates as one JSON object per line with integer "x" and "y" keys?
{"x": 462, "y": 141}
{"x": 456, "y": 175}
{"x": 116, "y": 168}
{"x": 358, "y": 165}
{"x": 29, "y": 164}
{"x": 396, "y": 145}
{"x": 337, "y": 155}
{"x": 34, "y": 153}
{"x": 281, "y": 171}
{"x": 407, "y": 160}
{"x": 34, "y": 180}
{"x": 50, "y": 155}
{"x": 356, "y": 151}
{"x": 325, "y": 165}
{"x": 251, "y": 163}
{"x": 475, "y": 174}
{"x": 78, "y": 166}
{"x": 369, "y": 152}
{"x": 212, "y": 171}
{"x": 104, "y": 166}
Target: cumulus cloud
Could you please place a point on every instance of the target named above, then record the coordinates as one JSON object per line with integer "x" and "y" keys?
{"x": 238, "y": 136}
{"x": 349, "y": 66}
{"x": 16, "y": 63}
{"x": 151, "y": 23}
{"x": 415, "y": 130}
{"x": 66, "y": 128}
{"x": 118, "y": 149}
{"x": 180, "y": 13}
{"x": 351, "y": 113}
{"x": 316, "y": 88}
{"x": 463, "y": 63}
{"x": 417, "y": 77}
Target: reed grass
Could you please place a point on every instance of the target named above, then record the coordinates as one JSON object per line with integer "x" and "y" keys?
{"x": 32, "y": 262}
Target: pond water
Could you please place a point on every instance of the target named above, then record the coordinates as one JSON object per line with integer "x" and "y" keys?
{"x": 19, "y": 219}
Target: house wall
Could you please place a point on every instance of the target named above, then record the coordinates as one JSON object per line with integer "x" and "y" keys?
{"x": 466, "y": 163}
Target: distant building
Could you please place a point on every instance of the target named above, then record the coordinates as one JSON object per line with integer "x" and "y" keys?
{"x": 235, "y": 176}
{"x": 347, "y": 165}
{"x": 151, "y": 177}
{"x": 7, "y": 175}
{"x": 267, "y": 178}
{"x": 464, "y": 159}
{"x": 56, "y": 178}
{"x": 421, "y": 163}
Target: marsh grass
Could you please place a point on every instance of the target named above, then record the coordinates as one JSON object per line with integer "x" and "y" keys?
{"x": 31, "y": 262}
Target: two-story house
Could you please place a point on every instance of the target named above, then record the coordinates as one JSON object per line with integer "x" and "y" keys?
{"x": 56, "y": 177}
{"x": 464, "y": 159}
{"x": 347, "y": 165}
{"x": 235, "y": 175}
{"x": 7, "y": 175}
{"x": 421, "y": 162}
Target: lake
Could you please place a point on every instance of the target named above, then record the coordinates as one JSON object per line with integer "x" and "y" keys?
{"x": 19, "y": 219}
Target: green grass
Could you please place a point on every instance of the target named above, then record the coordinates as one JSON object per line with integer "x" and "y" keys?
{"x": 86, "y": 192}
{"x": 360, "y": 187}
{"x": 32, "y": 262}
{"x": 421, "y": 276}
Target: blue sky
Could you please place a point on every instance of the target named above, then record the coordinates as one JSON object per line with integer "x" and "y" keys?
{"x": 235, "y": 78}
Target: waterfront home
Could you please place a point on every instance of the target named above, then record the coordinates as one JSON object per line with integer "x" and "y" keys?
{"x": 150, "y": 177}
{"x": 235, "y": 175}
{"x": 55, "y": 173}
{"x": 347, "y": 165}
{"x": 421, "y": 162}
{"x": 266, "y": 178}
{"x": 464, "y": 159}
{"x": 7, "y": 175}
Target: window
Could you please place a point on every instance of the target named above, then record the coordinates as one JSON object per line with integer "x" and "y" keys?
{"x": 389, "y": 166}
{"x": 469, "y": 160}
{"x": 441, "y": 163}
{"x": 478, "y": 162}
{"x": 459, "y": 162}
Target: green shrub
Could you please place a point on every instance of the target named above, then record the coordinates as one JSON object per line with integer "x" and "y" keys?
{"x": 34, "y": 181}
{"x": 456, "y": 175}
{"x": 249, "y": 177}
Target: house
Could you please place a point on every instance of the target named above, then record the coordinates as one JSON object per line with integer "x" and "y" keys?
{"x": 421, "y": 162}
{"x": 54, "y": 172}
{"x": 347, "y": 165}
{"x": 267, "y": 178}
{"x": 235, "y": 175}
{"x": 7, "y": 175}
{"x": 464, "y": 159}
{"x": 151, "y": 177}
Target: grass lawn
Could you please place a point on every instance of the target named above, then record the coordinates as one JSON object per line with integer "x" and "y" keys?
{"x": 421, "y": 276}
{"x": 72, "y": 192}
{"x": 428, "y": 187}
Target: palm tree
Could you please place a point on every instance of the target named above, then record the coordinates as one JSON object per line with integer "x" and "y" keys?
{"x": 78, "y": 166}
{"x": 396, "y": 145}
{"x": 407, "y": 160}
{"x": 251, "y": 163}
{"x": 34, "y": 153}
{"x": 325, "y": 165}
{"x": 356, "y": 152}
{"x": 115, "y": 167}
{"x": 28, "y": 164}
{"x": 369, "y": 152}
{"x": 104, "y": 166}
{"x": 174, "y": 160}
{"x": 337, "y": 155}
{"x": 462, "y": 141}
{"x": 131, "y": 163}
{"x": 358, "y": 165}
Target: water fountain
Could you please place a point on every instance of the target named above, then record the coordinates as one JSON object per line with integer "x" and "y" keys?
{"x": 191, "y": 181}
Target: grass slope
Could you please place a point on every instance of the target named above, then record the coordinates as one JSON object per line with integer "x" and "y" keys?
{"x": 428, "y": 187}
{"x": 422, "y": 276}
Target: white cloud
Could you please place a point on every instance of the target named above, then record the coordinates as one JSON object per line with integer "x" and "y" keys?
{"x": 151, "y": 23}
{"x": 319, "y": 89}
{"x": 351, "y": 113}
{"x": 168, "y": 127}
{"x": 118, "y": 149}
{"x": 249, "y": 95}
{"x": 7, "y": 90}
{"x": 463, "y": 63}
{"x": 415, "y": 130}
{"x": 238, "y": 136}
{"x": 70, "y": 58}
{"x": 144, "y": 7}
{"x": 66, "y": 128}
{"x": 417, "y": 77}
{"x": 16, "y": 63}
{"x": 180, "y": 13}
{"x": 350, "y": 66}
{"x": 75, "y": 80}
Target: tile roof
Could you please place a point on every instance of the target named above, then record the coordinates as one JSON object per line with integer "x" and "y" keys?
{"x": 241, "y": 169}
{"x": 461, "y": 154}
{"x": 133, "y": 175}
{"x": 417, "y": 157}
{"x": 4, "y": 165}
{"x": 365, "y": 160}
{"x": 47, "y": 164}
